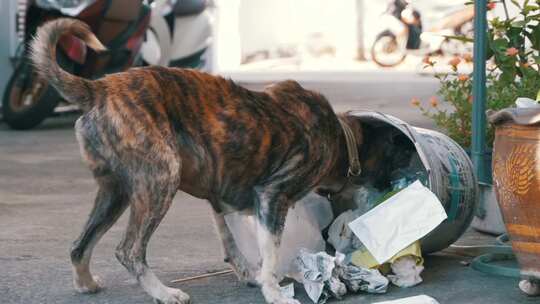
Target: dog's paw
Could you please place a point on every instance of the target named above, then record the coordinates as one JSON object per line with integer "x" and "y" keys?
{"x": 175, "y": 296}
{"x": 274, "y": 296}
{"x": 286, "y": 301}
{"x": 92, "y": 285}
{"x": 244, "y": 273}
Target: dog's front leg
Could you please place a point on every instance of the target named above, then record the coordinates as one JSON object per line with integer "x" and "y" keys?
{"x": 271, "y": 214}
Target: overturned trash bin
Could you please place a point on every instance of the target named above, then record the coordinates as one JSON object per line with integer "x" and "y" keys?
{"x": 438, "y": 162}
{"x": 443, "y": 166}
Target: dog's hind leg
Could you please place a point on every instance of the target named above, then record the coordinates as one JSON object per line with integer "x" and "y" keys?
{"x": 110, "y": 203}
{"x": 244, "y": 271}
{"x": 153, "y": 192}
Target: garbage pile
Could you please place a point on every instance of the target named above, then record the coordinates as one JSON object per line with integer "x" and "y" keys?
{"x": 373, "y": 248}
{"x": 375, "y": 237}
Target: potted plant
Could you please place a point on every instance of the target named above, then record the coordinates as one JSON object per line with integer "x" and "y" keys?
{"x": 513, "y": 54}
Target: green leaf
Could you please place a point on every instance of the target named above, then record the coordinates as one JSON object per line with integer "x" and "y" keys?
{"x": 516, "y": 39}
{"x": 516, "y": 3}
{"x": 518, "y": 24}
{"x": 499, "y": 46}
{"x": 459, "y": 38}
{"x": 535, "y": 37}
{"x": 529, "y": 8}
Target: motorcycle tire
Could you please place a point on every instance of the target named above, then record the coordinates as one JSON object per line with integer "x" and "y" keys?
{"x": 20, "y": 114}
{"x": 377, "y": 56}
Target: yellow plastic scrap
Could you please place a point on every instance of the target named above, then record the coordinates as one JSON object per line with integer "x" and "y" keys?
{"x": 363, "y": 258}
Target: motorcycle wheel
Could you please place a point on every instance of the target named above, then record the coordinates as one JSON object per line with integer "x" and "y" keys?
{"x": 28, "y": 99}
{"x": 386, "y": 51}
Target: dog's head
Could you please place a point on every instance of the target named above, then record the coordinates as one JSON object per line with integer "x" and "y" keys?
{"x": 381, "y": 150}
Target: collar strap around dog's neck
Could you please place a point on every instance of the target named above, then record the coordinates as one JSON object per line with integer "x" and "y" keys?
{"x": 352, "y": 149}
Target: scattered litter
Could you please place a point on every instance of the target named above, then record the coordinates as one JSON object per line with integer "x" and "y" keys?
{"x": 362, "y": 257}
{"x": 406, "y": 272}
{"x": 202, "y": 276}
{"x": 421, "y": 299}
{"x": 340, "y": 235}
{"x": 384, "y": 230}
{"x": 288, "y": 290}
{"x": 366, "y": 197}
{"x": 363, "y": 279}
{"x": 315, "y": 270}
{"x": 336, "y": 288}
{"x": 326, "y": 277}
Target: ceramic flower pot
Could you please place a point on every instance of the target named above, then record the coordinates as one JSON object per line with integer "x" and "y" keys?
{"x": 516, "y": 176}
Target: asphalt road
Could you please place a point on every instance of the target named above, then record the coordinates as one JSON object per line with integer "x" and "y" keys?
{"x": 46, "y": 193}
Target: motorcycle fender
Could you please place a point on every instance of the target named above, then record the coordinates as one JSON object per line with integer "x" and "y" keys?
{"x": 192, "y": 34}
{"x": 157, "y": 46}
{"x": 74, "y": 48}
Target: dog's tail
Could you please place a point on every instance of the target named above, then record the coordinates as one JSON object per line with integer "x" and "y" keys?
{"x": 43, "y": 54}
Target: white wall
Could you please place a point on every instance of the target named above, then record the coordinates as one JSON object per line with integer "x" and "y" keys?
{"x": 244, "y": 26}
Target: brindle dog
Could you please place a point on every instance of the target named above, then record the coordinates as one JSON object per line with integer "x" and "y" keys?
{"x": 149, "y": 132}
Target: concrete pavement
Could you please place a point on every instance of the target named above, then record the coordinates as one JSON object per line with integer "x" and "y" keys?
{"x": 46, "y": 193}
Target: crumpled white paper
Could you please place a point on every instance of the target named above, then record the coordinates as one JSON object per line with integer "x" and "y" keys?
{"x": 363, "y": 279}
{"x": 396, "y": 223}
{"x": 406, "y": 272}
{"x": 316, "y": 269}
{"x": 421, "y": 299}
{"x": 324, "y": 276}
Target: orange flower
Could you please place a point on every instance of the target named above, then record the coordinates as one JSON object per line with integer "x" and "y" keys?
{"x": 491, "y": 5}
{"x": 463, "y": 77}
{"x": 468, "y": 57}
{"x": 512, "y": 51}
{"x": 454, "y": 62}
{"x": 525, "y": 65}
{"x": 415, "y": 102}
{"x": 427, "y": 60}
{"x": 434, "y": 101}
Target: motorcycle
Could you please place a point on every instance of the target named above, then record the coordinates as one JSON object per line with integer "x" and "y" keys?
{"x": 120, "y": 25}
{"x": 179, "y": 34}
{"x": 404, "y": 34}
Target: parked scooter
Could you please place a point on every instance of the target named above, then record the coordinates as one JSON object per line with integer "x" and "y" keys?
{"x": 404, "y": 34}
{"x": 180, "y": 34}
{"x": 119, "y": 24}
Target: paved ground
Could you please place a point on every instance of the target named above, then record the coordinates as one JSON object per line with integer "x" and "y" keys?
{"x": 46, "y": 193}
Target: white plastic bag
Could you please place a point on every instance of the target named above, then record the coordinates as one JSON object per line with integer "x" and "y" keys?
{"x": 302, "y": 230}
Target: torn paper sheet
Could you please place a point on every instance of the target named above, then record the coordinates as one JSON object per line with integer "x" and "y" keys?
{"x": 421, "y": 299}
{"x": 399, "y": 221}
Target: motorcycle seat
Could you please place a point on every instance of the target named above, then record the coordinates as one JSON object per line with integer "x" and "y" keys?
{"x": 189, "y": 7}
